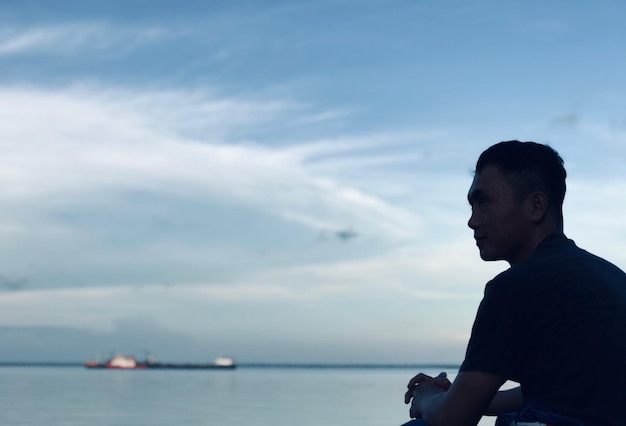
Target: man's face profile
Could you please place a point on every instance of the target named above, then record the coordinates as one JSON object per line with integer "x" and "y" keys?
{"x": 498, "y": 217}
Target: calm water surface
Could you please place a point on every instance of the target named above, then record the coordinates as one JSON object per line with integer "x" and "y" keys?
{"x": 50, "y": 396}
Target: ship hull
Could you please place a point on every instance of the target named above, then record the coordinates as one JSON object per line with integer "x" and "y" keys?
{"x": 161, "y": 366}
{"x": 121, "y": 362}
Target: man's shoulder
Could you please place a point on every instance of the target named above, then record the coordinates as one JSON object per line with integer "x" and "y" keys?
{"x": 556, "y": 252}
{"x": 556, "y": 260}
{"x": 556, "y": 244}
{"x": 563, "y": 253}
{"x": 552, "y": 257}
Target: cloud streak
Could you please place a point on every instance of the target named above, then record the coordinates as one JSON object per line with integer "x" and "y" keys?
{"x": 76, "y": 38}
{"x": 80, "y": 162}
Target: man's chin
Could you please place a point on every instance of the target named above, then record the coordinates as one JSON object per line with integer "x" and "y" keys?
{"x": 491, "y": 257}
{"x": 487, "y": 257}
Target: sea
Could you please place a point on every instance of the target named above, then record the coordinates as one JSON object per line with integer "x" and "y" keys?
{"x": 248, "y": 395}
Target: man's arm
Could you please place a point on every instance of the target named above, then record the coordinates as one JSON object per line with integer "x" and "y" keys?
{"x": 505, "y": 402}
{"x": 463, "y": 404}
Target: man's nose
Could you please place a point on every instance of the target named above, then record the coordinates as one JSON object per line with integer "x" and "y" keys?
{"x": 473, "y": 221}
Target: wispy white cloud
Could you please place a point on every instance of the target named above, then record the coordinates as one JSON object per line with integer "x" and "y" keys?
{"x": 410, "y": 276}
{"x": 76, "y": 37}
{"x": 79, "y": 140}
{"x": 84, "y": 151}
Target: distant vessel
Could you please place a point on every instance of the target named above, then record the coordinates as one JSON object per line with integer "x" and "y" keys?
{"x": 122, "y": 362}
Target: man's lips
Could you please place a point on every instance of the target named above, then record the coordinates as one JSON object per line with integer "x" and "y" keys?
{"x": 479, "y": 239}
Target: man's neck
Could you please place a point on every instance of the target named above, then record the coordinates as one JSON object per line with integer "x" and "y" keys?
{"x": 537, "y": 236}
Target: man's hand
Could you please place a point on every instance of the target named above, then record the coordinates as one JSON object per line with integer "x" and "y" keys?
{"x": 461, "y": 403}
{"x": 423, "y": 386}
{"x": 440, "y": 380}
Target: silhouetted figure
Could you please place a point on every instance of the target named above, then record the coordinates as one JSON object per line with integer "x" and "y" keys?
{"x": 555, "y": 321}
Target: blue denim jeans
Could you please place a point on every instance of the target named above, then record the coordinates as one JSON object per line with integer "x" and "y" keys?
{"x": 415, "y": 422}
{"x": 536, "y": 412}
{"x": 530, "y": 412}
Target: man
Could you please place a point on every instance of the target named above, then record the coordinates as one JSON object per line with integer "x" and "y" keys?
{"x": 554, "y": 322}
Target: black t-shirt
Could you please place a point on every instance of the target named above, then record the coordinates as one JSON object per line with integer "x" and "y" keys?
{"x": 556, "y": 323}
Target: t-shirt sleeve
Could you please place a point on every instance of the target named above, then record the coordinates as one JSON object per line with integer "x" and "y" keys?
{"x": 499, "y": 336}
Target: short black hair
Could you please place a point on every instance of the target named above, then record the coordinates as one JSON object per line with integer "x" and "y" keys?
{"x": 528, "y": 167}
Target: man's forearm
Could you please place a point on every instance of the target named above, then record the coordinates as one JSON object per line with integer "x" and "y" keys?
{"x": 431, "y": 407}
{"x": 463, "y": 404}
{"x": 437, "y": 411}
{"x": 505, "y": 402}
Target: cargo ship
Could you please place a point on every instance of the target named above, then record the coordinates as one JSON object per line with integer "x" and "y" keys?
{"x": 122, "y": 362}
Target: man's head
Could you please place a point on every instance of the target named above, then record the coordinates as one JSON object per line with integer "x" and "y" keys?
{"x": 528, "y": 167}
{"x": 516, "y": 198}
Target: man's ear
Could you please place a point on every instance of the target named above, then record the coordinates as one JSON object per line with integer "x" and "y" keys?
{"x": 538, "y": 206}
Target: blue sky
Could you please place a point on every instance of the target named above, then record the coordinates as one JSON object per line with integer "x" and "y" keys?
{"x": 283, "y": 181}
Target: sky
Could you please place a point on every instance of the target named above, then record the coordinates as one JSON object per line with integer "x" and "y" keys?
{"x": 283, "y": 181}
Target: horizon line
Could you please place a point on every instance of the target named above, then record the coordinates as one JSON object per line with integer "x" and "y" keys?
{"x": 372, "y": 365}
